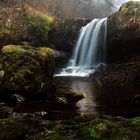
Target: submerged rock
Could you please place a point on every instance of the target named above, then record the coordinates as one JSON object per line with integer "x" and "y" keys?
{"x": 25, "y": 70}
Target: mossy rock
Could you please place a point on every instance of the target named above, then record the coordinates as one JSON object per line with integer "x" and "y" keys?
{"x": 65, "y": 95}
{"x": 26, "y": 70}
{"x": 20, "y": 128}
{"x": 126, "y": 22}
{"x": 98, "y": 128}
{"x": 124, "y": 33}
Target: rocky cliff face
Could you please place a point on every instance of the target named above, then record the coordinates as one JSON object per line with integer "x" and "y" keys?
{"x": 124, "y": 33}
{"x": 63, "y": 34}
{"x": 121, "y": 76}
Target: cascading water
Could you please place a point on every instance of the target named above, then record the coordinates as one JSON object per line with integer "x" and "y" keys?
{"x": 90, "y": 50}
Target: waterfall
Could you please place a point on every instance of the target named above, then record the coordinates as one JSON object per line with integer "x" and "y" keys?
{"x": 90, "y": 50}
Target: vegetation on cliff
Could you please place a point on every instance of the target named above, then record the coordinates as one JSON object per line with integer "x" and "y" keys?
{"x": 124, "y": 33}
{"x": 19, "y": 24}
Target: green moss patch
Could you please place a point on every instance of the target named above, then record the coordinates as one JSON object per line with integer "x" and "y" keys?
{"x": 38, "y": 27}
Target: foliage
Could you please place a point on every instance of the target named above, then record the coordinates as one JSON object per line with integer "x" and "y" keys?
{"x": 18, "y": 24}
{"x": 38, "y": 28}
{"x": 12, "y": 25}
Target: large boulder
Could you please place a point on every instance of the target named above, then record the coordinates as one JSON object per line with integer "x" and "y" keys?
{"x": 119, "y": 83}
{"x": 124, "y": 33}
{"x": 26, "y": 74}
{"x": 26, "y": 71}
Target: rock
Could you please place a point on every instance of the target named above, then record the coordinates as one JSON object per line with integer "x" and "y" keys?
{"x": 67, "y": 96}
{"x": 17, "y": 99}
{"x": 136, "y": 100}
{"x": 119, "y": 82}
{"x": 26, "y": 70}
{"x": 124, "y": 33}
{"x": 20, "y": 128}
{"x": 81, "y": 128}
{"x": 63, "y": 34}
{"x": 5, "y": 111}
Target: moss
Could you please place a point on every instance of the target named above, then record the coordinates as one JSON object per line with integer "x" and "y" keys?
{"x": 62, "y": 100}
{"x": 13, "y": 129}
{"x": 135, "y": 121}
{"x": 27, "y": 70}
{"x": 67, "y": 95}
{"x": 58, "y": 131}
{"x": 11, "y": 49}
{"x": 45, "y": 52}
{"x": 97, "y": 128}
{"x": 108, "y": 129}
{"x": 38, "y": 27}
{"x": 4, "y": 31}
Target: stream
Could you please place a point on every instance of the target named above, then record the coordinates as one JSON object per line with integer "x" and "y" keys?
{"x": 96, "y": 103}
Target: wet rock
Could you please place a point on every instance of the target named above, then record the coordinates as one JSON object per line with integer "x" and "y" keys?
{"x": 41, "y": 114}
{"x": 5, "y": 111}
{"x": 16, "y": 99}
{"x": 67, "y": 96}
{"x": 136, "y": 100}
{"x": 15, "y": 115}
{"x": 119, "y": 83}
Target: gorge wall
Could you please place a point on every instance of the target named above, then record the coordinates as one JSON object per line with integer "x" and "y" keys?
{"x": 124, "y": 33}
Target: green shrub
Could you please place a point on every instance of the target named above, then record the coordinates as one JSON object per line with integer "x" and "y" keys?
{"x": 38, "y": 28}
{"x": 18, "y": 25}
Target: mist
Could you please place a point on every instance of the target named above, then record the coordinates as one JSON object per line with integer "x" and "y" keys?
{"x": 83, "y": 8}
{"x": 88, "y": 9}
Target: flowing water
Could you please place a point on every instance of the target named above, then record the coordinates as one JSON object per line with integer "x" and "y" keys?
{"x": 88, "y": 55}
{"x": 90, "y": 50}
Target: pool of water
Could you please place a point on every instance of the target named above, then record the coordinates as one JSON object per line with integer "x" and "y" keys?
{"x": 114, "y": 104}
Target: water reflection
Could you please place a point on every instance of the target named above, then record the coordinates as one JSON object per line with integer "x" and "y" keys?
{"x": 87, "y": 104}
{"x": 112, "y": 103}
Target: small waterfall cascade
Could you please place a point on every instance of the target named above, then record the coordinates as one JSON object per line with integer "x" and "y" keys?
{"x": 90, "y": 50}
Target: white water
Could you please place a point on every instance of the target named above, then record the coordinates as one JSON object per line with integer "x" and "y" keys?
{"x": 90, "y": 50}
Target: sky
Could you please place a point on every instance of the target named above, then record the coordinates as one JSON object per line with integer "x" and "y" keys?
{"x": 118, "y": 3}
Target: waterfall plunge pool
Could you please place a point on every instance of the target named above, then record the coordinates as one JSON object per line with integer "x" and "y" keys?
{"x": 112, "y": 104}
{"x": 79, "y": 71}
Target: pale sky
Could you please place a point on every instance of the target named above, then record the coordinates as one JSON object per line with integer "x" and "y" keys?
{"x": 118, "y": 3}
